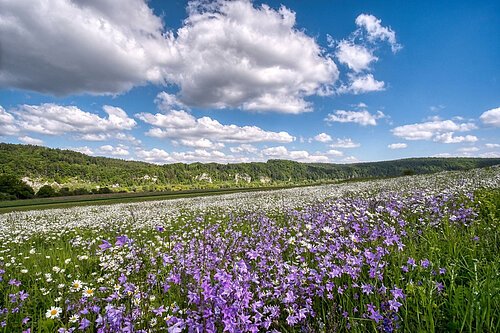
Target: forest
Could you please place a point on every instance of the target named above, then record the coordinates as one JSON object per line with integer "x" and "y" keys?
{"x": 69, "y": 172}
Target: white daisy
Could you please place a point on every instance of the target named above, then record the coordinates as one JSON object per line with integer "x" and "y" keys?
{"x": 74, "y": 318}
{"x": 53, "y": 312}
{"x": 88, "y": 292}
{"x": 76, "y": 285}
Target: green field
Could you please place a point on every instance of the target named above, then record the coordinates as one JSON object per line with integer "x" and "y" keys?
{"x": 413, "y": 254}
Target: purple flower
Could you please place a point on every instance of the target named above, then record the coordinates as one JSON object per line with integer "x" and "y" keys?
{"x": 23, "y": 295}
{"x": 159, "y": 311}
{"x": 122, "y": 279}
{"x": 397, "y": 293}
{"x": 411, "y": 262}
{"x": 367, "y": 289}
{"x": 84, "y": 324}
{"x": 374, "y": 314}
{"x": 122, "y": 240}
{"x": 105, "y": 245}
{"x": 14, "y": 282}
{"x": 394, "y": 305}
{"x": 425, "y": 263}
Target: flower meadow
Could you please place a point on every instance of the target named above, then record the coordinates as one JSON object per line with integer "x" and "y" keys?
{"x": 410, "y": 254}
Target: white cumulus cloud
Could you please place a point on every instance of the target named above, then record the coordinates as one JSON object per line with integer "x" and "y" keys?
{"x": 281, "y": 152}
{"x": 356, "y": 57}
{"x": 30, "y": 141}
{"x": 234, "y": 54}
{"x": 323, "y": 137}
{"x": 84, "y": 150}
{"x": 244, "y": 148}
{"x": 359, "y": 84}
{"x": 376, "y": 31}
{"x": 363, "y": 118}
{"x": 119, "y": 150}
{"x": 448, "y": 137}
{"x": 436, "y": 130}
{"x": 491, "y": 117}
{"x": 182, "y": 125}
{"x": 96, "y": 46}
{"x": 53, "y": 119}
{"x": 7, "y": 123}
{"x": 397, "y": 145}
{"x": 345, "y": 143}
{"x": 335, "y": 153}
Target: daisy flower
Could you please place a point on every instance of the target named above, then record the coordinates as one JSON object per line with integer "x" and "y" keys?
{"x": 74, "y": 318}
{"x": 53, "y": 312}
{"x": 88, "y": 292}
{"x": 76, "y": 285}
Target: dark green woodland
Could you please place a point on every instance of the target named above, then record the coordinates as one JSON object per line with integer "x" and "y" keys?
{"x": 71, "y": 172}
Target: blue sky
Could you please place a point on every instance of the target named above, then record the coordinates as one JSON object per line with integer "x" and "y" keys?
{"x": 323, "y": 81}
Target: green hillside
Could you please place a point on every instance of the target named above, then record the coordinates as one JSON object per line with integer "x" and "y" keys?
{"x": 65, "y": 168}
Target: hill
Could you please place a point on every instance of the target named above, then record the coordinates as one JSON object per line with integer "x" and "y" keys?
{"x": 64, "y": 168}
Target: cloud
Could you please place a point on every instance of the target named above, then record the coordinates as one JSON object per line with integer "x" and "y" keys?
{"x": 119, "y": 150}
{"x": 203, "y": 155}
{"x": 154, "y": 155}
{"x": 492, "y": 145}
{"x": 491, "y": 117}
{"x": 359, "y": 84}
{"x": 490, "y": 154}
{"x": 181, "y": 125}
{"x": 344, "y": 143}
{"x": 160, "y": 156}
{"x": 96, "y": 46}
{"x": 449, "y": 138}
{"x": 436, "y": 130}
{"x": 30, "y": 141}
{"x": 282, "y": 152}
{"x": 468, "y": 149}
{"x": 232, "y": 54}
{"x": 244, "y": 148}
{"x": 356, "y": 57}
{"x": 335, "y": 153}
{"x": 357, "y": 53}
{"x": 375, "y": 31}
{"x": 7, "y": 123}
{"x": 199, "y": 143}
{"x": 363, "y": 118}
{"x": 397, "y": 145}
{"x": 84, "y": 150}
{"x": 53, "y": 119}
{"x": 323, "y": 137}
{"x": 167, "y": 102}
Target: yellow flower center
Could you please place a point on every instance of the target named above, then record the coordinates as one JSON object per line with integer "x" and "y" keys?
{"x": 53, "y": 312}
{"x": 90, "y": 291}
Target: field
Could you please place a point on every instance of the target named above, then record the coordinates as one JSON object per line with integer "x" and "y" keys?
{"x": 114, "y": 198}
{"x": 410, "y": 254}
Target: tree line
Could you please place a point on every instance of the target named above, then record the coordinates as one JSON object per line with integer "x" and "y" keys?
{"x": 87, "y": 174}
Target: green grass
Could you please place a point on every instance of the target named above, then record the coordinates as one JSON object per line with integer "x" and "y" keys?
{"x": 470, "y": 301}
